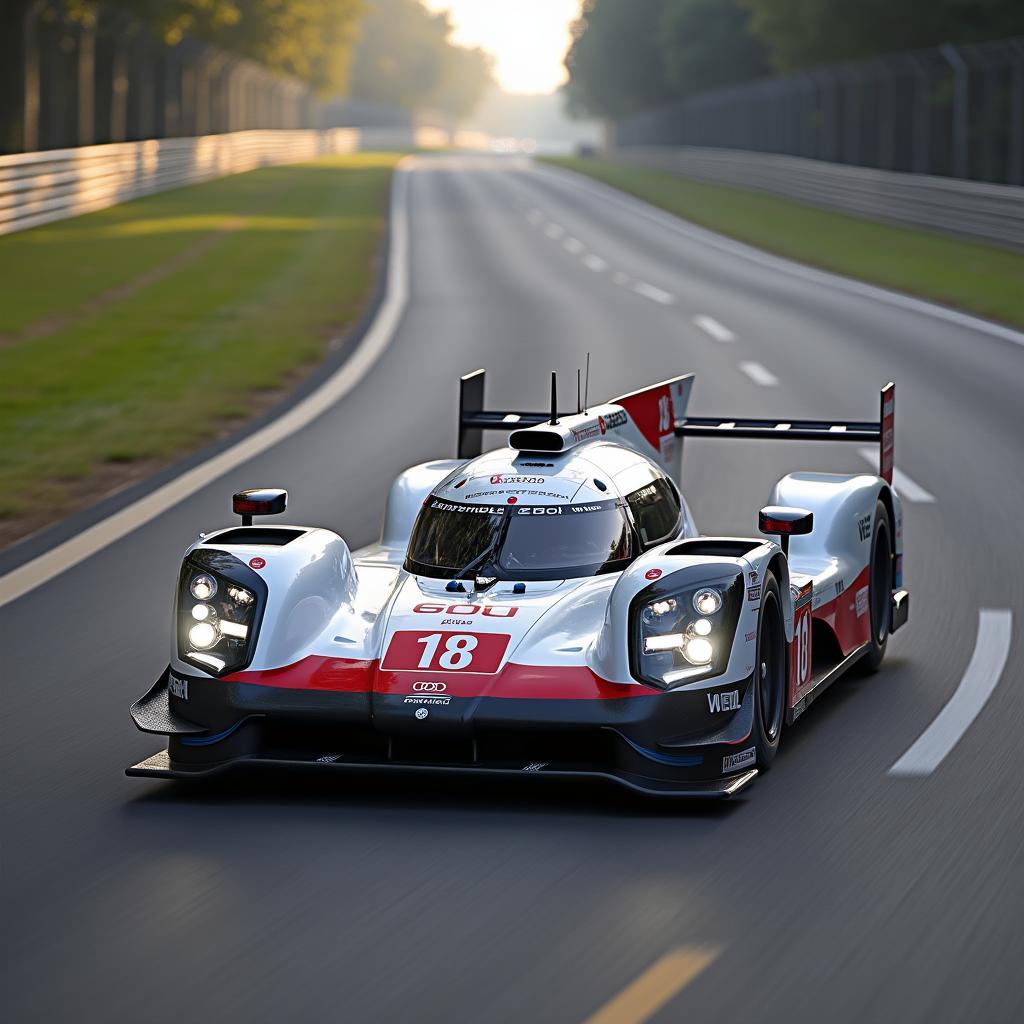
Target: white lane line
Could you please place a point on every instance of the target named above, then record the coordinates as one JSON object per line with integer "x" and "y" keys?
{"x": 535, "y": 216}
{"x": 554, "y": 230}
{"x": 995, "y": 630}
{"x": 649, "y": 291}
{"x": 905, "y": 487}
{"x": 744, "y": 251}
{"x": 759, "y": 375}
{"x": 595, "y": 263}
{"x": 573, "y": 245}
{"x": 709, "y": 325}
{"x": 377, "y": 338}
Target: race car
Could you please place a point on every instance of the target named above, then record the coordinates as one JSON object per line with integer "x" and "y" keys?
{"x": 546, "y": 609}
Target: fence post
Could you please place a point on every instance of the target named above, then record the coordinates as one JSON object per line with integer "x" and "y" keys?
{"x": 921, "y": 159}
{"x": 1015, "y": 156}
{"x": 961, "y": 108}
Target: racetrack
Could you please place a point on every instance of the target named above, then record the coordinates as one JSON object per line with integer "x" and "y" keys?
{"x": 833, "y": 890}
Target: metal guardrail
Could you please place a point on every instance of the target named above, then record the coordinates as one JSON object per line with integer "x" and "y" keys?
{"x": 977, "y": 210}
{"x": 36, "y": 188}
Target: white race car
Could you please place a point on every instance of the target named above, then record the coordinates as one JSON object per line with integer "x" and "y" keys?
{"x": 546, "y": 608}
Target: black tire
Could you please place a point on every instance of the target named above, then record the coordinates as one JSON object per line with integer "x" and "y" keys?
{"x": 770, "y": 675}
{"x": 879, "y": 589}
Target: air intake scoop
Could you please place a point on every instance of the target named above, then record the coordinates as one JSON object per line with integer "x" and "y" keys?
{"x": 570, "y": 431}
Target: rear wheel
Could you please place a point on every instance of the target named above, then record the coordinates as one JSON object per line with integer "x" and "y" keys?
{"x": 879, "y": 589}
{"x": 769, "y": 675}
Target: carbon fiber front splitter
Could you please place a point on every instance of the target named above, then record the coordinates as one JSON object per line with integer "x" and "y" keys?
{"x": 160, "y": 766}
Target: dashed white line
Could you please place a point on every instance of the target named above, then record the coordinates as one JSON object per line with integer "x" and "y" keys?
{"x": 905, "y": 487}
{"x": 554, "y": 230}
{"x": 995, "y": 630}
{"x": 709, "y": 325}
{"x": 595, "y": 263}
{"x": 649, "y": 291}
{"x": 759, "y": 375}
{"x": 573, "y": 245}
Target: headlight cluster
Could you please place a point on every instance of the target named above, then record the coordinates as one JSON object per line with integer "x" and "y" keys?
{"x": 683, "y": 628}
{"x": 217, "y": 615}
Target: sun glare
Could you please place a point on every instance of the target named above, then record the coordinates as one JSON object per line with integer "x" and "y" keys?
{"x": 527, "y": 37}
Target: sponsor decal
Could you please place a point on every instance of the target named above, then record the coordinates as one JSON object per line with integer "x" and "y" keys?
{"x": 490, "y": 611}
{"x": 727, "y": 701}
{"x": 749, "y": 637}
{"x": 733, "y": 761}
{"x": 534, "y": 766}
{"x": 444, "y": 699}
{"x": 499, "y": 478}
{"x": 257, "y": 562}
{"x": 428, "y": 686}
{"x": 586, "y": 433}
{"x": 652, "y": 574}
{"x": 328, "y": 758}
{"x": 447, "y": 506}
{"x": 540, "y": 510}
{"x": 584, "y": 508}
{"x": 862, "y": 601}
{"x": 178, "y": 687}
{"x": 422, "y": 713}
{"x": 864, "y": 527}
{"x": 613, "y": 420}
{"x": 752, "y": 576}
{"x": 754, "y": 593}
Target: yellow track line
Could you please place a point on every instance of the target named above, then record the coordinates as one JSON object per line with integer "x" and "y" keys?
{"x": 641, "y": 999}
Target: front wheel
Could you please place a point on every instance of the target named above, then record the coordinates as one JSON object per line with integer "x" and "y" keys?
{"x": 769, "y": 675}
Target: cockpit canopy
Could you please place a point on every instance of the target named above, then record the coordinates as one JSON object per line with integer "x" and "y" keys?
{"x": 565, "y": 519}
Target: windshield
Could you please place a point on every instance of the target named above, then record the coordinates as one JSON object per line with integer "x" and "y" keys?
{"x": 520, "y": 542}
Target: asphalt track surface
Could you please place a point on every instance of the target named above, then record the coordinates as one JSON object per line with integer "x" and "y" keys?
{"x": 832, "y": 890}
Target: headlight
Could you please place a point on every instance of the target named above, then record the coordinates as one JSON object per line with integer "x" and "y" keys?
{"x": 220, "y": 604}
{"x": 683, "y": 627}
{"x": 203, "y": 587}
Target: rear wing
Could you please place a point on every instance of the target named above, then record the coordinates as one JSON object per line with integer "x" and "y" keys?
{"x": 667, "y": 403}
{"x": 881, "y": 430}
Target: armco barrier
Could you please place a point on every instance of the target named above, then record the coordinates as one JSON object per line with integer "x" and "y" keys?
{"x": 972, "y": 209}
{"x": 36, "y": 188}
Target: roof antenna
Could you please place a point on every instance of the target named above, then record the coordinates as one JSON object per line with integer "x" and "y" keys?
{"x": 554, "y": 398}
{"x": 579, "y": 400}
{"x": 586, "y": 385}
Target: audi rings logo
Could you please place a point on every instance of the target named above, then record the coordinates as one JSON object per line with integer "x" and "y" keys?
{"x": 429, "y": 687}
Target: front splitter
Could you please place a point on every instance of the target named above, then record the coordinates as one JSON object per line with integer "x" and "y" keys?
{"x": 159, "y": 766}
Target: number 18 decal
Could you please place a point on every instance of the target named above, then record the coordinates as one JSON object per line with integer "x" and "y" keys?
{"x": 411, "y": 650}
{"x": 800, "y": 671}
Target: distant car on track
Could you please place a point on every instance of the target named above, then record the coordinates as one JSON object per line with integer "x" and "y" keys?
{"x": 545, "y": 609}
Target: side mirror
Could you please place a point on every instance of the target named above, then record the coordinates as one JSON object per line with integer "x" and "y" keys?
{"x": 786, "y": 522}
{"x": 259, "y": 501}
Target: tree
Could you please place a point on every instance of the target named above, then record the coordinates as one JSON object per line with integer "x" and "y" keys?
{"x": 805, "y": 32}
{"x": 708, "y": 43}
{"x": 615, "y": 61}
{"x": 404, "y": 58}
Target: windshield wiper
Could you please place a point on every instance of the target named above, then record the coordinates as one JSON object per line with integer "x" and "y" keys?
{"x": 487, "y": 553}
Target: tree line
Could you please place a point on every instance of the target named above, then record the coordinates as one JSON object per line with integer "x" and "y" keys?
{"x": 629, "y": 55}
{"x": 394, "y": 52}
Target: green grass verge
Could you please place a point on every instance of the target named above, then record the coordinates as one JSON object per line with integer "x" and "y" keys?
{"x": 976, "y": 277}
{"x": 256, "y": 273}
